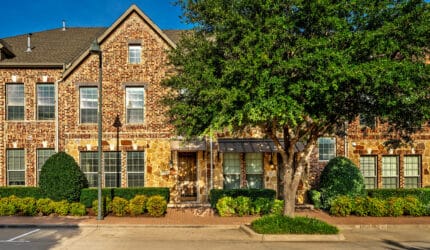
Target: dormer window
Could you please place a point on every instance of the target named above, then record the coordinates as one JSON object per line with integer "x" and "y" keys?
{"x": 134, "y": 53}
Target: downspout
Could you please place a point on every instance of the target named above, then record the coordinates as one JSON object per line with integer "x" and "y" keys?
{"x": 345, "y": 140}
{"x": 57, "y": 126}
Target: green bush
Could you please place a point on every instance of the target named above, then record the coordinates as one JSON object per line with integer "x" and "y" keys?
{"x": 88, "y": 195}
{"x": 22, "y": 192}
{"x": 341, "y": 206}
{"x": 106, "y": 206}
{"x": 61, "y": 207}
{"x": 120, "y": 206}
{"x": 278, "y": 224}
{"x": 26, "y": 206}
{"x": 130, "y": 193}
{"x": 376, "y": 207}
{"x": 45, "y": 206}
{"x": 394, "y": 206}
{"x": 216, "y": 194}
{"x": 138, "y": 205}
{"x": 7, "y": 206}
{"x": 340, "y": 177}
{"x": 422, "y": 194}
{"x": 156, "y": 205}
{"x": 61, "y": 178}
{"x": 360, "y": 207}
{"x": 278, "y": 207}
{"x": 413, "y": 206}
{"x": 262, "y": 205}
{"x": 77, "y": 209}
{"x": 226, "y": 206}
{"x": 315, "y": 197}
{"x": 243, "y": 205}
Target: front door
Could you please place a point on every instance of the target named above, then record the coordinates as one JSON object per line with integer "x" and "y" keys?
{"x": 187, "y": 176}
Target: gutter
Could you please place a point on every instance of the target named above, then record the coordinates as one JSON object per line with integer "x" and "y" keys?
{"x": 57, "y": 124}
{"x": 6, "y": 65}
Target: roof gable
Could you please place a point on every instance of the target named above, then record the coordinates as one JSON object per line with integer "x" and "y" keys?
{"x": 133, "y": 9}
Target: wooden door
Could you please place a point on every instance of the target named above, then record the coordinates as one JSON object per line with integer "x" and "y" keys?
{"x": 187, "y": 176}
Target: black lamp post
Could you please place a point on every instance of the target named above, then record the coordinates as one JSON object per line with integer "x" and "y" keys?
{"x": 117, "y": 124}
{"x": 95, "y": 49}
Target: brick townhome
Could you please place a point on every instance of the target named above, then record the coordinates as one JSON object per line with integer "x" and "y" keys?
{"x": 48, "y": 86}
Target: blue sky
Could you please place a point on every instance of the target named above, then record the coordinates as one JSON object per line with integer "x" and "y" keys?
{"x": 25, "y": 16}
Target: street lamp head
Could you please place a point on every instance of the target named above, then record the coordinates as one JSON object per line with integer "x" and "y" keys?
{"x": 95, "y": 48}
{"x": 117, "y": 122}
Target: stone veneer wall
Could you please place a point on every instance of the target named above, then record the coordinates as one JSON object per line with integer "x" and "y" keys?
{"x": 366, "y": 141}
{"x": 29, "y": 134}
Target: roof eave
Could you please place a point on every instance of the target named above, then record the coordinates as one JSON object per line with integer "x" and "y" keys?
{"x": 32, "y": 65}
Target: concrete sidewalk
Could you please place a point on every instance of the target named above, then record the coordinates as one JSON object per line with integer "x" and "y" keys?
{"x": 192, "y": 217}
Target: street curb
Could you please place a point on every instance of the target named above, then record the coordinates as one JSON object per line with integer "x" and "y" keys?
{"x": 291, "y": 237}
{"x": 117, "y": 226}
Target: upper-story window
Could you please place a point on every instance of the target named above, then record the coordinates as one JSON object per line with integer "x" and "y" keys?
{"x": 326, "y": 148}
{"x": 135, "y": 104}
{"x": 134, "y": 53}
{"x": 45, "y": 101}
{"x": 15, "y": 101}
{"x": 88, "y": 104}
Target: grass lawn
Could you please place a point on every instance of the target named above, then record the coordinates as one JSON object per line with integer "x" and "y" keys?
{"x": 278, "y": 224}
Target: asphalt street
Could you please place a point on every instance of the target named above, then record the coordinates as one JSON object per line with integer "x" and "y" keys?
{"x": 206, "y": 238}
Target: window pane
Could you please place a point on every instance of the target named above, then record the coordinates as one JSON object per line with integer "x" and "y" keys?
{"x": 134, "y": 53}
{"x": 135, "y": 168}
{"x": 412, "y": 166}
{"x": 412, "y": 182}
{"x": 231, "y": 181}
{"x": 112, "y": 169}
{"x": 390, "y": 172}
{"x": 45, "y": 101}
{"x": 89, "y": 166}
{"x": 326, "y": 148}
{"x": 231, "y": 163}
{"x": 368, "y": 169}
{"x": 15, "y": 101}
{"x": 42, "y": 156}
{"x": 254, "y": 163}
{"x": 88, "y": 104}
{"x": 254, "y": 180}
{"x": 135, "y": 104}
{"x": 15, "y": 167}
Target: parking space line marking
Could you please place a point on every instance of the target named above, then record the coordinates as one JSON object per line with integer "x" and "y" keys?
{"x": 22, "y": 235}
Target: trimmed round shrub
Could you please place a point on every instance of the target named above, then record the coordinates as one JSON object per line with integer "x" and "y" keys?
{"x": 27, "y": 206}
{"x": 360, "y": 207}
{"x": 61, "y": 178}
{"x": 395, "y": 206}
{"x": 77, "y": 209}
{"x": 156, "y": 205}
{"x": 341, "y": 206}
{"x": 278, "y": 207}
{"x": 138, "y": 205}
{"x": 315, "y": 197}
{"x": 7, "y": 206}
{"x": 226, "y": 206}
{"x": 120, "y": 206}
{"x": 340, "y": 177}
{"x": 45, "y": 206}
{"x": 61, "y": 207}
{"x": 377, "y": 207}
{"x": 106, "y": 205}
{"x": 243, "y": 205}
{"x": 413, "y": 206}
{"x": 262, "y": 205}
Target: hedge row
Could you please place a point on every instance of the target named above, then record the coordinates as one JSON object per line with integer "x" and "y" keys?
{"x": 368, "y": 206}
{"x": 423, "y": 194}
{"x": 155, "y": 206}
{"x": 29, "y": 206}
{"x": 241, "y": 205}
{"x": 88, "y": 195}
{"x": 253, "y": 194}
{"x": 22, "y": 192}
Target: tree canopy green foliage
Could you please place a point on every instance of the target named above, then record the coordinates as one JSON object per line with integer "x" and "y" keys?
{"x": 61, "y": 178}
{"x": 299, "y": 70}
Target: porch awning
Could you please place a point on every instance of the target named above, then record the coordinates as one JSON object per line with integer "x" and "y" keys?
{"x": 182, "y": 145}
{"x": 250, "y": 145}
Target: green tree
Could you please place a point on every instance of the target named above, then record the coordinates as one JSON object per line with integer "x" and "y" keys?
{"x": 299, "y": 70}
{"x": 61, "y": 178}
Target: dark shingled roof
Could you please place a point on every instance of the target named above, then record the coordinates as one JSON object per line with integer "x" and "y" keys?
{"x": 56, "y": 47}
{"x": 52, "y": 46}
